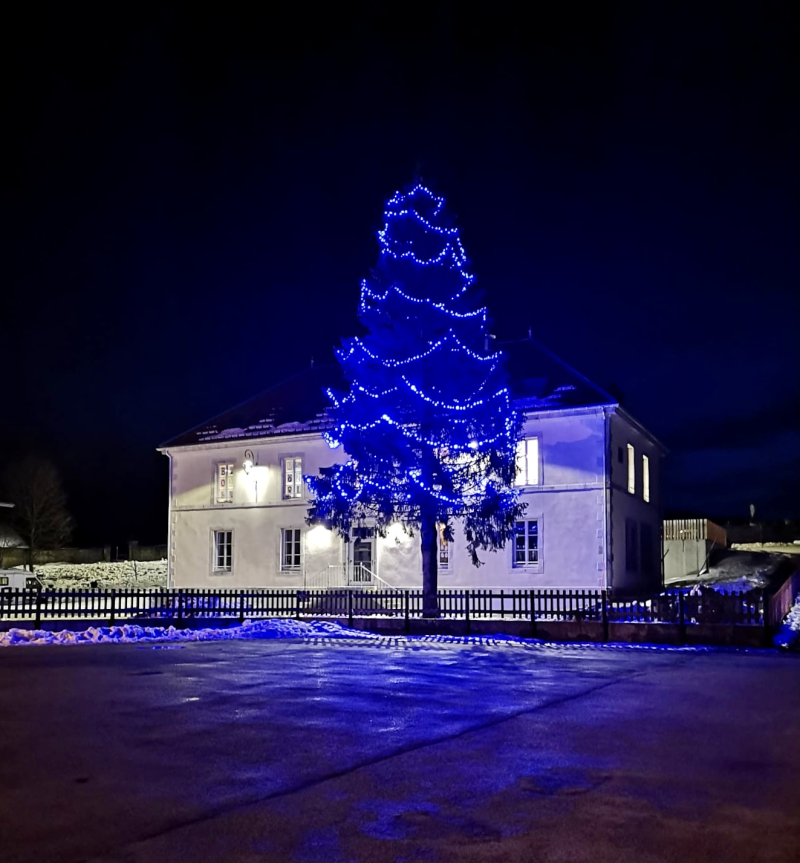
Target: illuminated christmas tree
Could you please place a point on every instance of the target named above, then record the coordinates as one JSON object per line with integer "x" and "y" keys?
{"x": 428, "y": 424}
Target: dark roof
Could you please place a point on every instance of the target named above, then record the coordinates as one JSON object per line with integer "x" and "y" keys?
{"x": 539, "y": 381}
{"x": 295, "y": 405}
{"x": 542, "y": 381}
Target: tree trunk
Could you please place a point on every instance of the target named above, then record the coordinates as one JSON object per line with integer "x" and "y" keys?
{"x": 430, "y": 567}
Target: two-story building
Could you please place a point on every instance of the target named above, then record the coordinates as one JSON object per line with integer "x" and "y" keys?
{"x": 590, "y": 474}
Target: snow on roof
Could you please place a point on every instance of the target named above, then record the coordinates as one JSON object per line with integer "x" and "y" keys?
{"x": 296, "y": 405}
{"x": 539, "y": 381}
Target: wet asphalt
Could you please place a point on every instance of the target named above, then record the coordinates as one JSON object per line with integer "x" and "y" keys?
{"x": 395, "y": 750}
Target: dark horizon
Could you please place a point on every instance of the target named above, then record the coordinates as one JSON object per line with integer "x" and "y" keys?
{"x": 192, "y": 202}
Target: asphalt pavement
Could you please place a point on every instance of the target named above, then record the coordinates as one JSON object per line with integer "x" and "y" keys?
{"x": 395, "y": 750}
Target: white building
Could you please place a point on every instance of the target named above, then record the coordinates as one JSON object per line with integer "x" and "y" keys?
{"x": 590, "y": 474}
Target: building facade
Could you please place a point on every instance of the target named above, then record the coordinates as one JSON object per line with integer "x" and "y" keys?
{"x": 588, "y": 472}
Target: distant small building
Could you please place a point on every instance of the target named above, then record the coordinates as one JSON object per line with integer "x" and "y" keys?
{"x": 688, "y": 543}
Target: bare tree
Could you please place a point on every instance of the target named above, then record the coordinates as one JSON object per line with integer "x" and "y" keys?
{"x": 40, "y": 514}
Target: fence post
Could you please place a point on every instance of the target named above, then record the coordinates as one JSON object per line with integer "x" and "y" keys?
{"x": 297, "y": 605}
{"x": 180, "y": 607}
{"x": 241, "y": 606}
{"x": 681, "y": 618}
{"x": 604, "y": 601}
{"x": 533, "y": 613}
{"x": 466, "y": 611}
{"x": 407, "y": 611}
{"x": 38, "y": 607}
{"x": 113, "y": 607}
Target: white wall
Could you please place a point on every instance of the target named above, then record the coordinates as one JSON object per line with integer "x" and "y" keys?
{"x": 256, "y": 515}
{"x": 569, "y": 502}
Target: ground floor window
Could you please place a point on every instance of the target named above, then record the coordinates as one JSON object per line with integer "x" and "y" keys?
{"x": 526, "y": 542}
{"x": 223, "y": 550}
{"x": 631, "y": 545}
{"x": 290, "y": 549}
{"x": 647, "y": 549}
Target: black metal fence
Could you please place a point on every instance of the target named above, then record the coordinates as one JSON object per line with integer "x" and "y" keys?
{"x": 683, "y": 608}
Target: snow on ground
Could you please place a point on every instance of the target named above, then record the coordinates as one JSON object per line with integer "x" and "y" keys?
{"x": 735, "y": 571}
{"x": 131, "y": 633}
{"x": 788, "y": 636}
{"x": 275, "y": 628}
{"x": 117, "y": 574}
{"x": 313, "y": 630}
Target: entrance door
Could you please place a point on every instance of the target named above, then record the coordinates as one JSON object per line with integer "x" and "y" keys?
{"x": 363, "y": 559}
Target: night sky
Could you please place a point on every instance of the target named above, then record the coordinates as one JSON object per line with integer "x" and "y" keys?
{"x": 190, "y": 200}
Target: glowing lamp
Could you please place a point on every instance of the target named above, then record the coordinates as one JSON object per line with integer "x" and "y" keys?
{"x": 247, "y": 464}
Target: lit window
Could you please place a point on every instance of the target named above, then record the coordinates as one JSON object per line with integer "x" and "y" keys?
{"x": 4, "y": 580}
{"x": 631, "y": 470}
{"x": 444, "y": 548}
{"x": 527, "y": 462}
{"x": 646, "y": 478}
{"x": 223, "y": 550}
{"x": 526, "y": 543}
{"x": 224, "y": 483}
{"x": 293, "y": 477}
{"x": 290, "y": 549}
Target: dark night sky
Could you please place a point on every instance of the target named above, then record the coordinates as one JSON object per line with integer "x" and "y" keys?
{"x": 190, "y": 202}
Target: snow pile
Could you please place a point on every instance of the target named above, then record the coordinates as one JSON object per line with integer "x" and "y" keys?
{"x": 788, "y": 636}
{"x": 105, "y": 575}
{"x": 130, "y": 633}
{"x": 735, "y": 570}
{"x": 275, "y": 628}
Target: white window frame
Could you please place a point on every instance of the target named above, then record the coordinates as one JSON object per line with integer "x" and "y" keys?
{"x": 645, "y": 478}
{"x": 528, "y": 461}
{"x": 631, "y": 469}
{"x": 223, "y": 498}
{"x": 532, "y": 565}
{"x": 299, "y": 539}
{"x": 216, "y": 569}
{"x": 291, "y": 469}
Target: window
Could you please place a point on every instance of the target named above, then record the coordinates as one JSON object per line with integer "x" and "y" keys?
{"x": 526, "y": 543}
{"x": 4, "y": 579}
{"x": 648, "y": 550}
{"x": 631, "y": 546}
{"x": 224, "y": 483}
{"x": 631, "y": 470}
{"x": 293, "y": 477}
{"x": 527, "y": 462}
{"x": 290, "y": 549}
{"x": 444, "y": 548}
{"x": 620, "y": 455}
{"x": 645, "y": 480}
{"x": 223, "y": 551}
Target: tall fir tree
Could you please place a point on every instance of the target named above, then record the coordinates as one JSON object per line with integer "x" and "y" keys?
{"x": 428, "y": 424}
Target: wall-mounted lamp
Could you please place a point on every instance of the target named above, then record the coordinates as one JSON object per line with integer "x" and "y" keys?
{"x": 247, "y": 464}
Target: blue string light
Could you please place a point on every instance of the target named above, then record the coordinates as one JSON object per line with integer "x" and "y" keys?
{"x": 427, "y": 421}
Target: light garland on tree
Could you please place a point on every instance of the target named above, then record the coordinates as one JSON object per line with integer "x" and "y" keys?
{"x": 427, "y": 422}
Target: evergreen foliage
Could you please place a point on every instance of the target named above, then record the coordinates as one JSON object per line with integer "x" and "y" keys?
{"x": 428, "y": 423}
